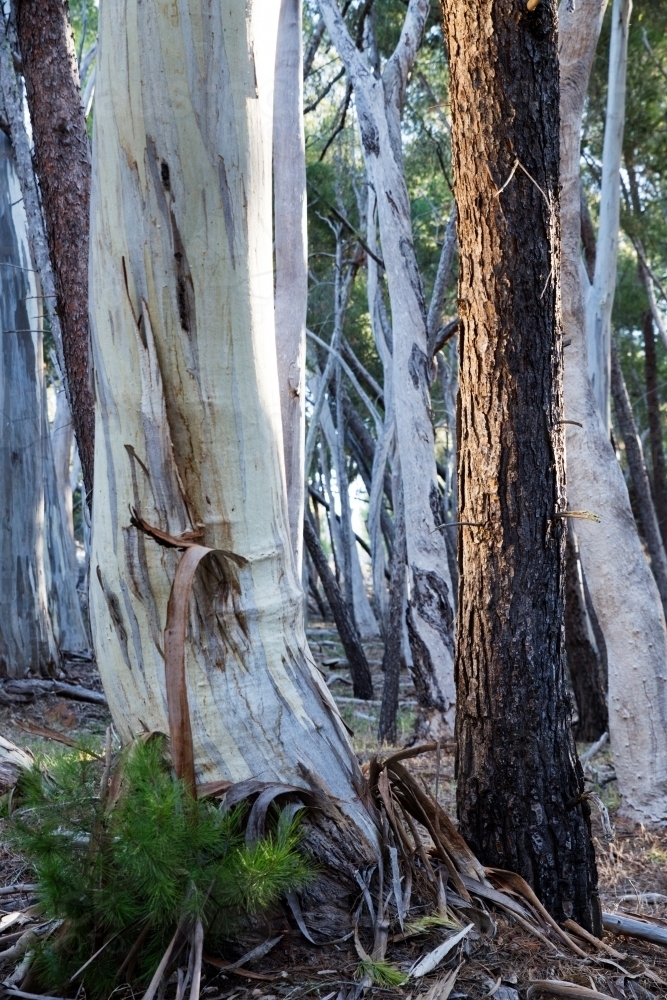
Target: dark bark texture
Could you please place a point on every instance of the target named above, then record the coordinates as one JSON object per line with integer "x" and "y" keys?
{"x": 63, "y": 166}
{"x": 349, "y": 637}
{"x": 391, "y": 661}
{"x": 639, "y": 476}
{"x": 659, "y": 481}
{"x": 584, "y": 657}
{"x": 519, "y": 780}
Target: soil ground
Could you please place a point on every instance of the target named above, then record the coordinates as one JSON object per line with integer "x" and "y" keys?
{"x": 501, "y": 963}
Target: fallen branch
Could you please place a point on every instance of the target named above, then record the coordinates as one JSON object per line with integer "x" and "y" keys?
{"x": 556, "y": 988}
{"x": 36, "y": 686}
{"x": 643, "y": 930}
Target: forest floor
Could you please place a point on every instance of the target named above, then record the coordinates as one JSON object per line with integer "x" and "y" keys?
{"x": 501, "y": 962}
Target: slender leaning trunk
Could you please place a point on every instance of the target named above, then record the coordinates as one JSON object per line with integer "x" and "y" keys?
{"x": 659, "y": 479}
{"x": 26, "y": 637}
{"x": 62, "y": 163}
{"x": 188, "y": 428}
{"x": 631, "y": 616}
{"x": 519, "y": 781}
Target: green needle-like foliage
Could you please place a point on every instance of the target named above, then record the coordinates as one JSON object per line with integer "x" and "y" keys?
{"x": 140, "y": 858}
{"x": 381, "y": 973}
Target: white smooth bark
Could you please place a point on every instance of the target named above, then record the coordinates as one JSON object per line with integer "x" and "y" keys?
{"x": 379, "y": 103}
{"x": 600, "y": 296}
{"x": 620, "y": 581}
{"x": 291, "y": 254}
{"x": 27, "y": 642}
{"x": 188, "y": 419}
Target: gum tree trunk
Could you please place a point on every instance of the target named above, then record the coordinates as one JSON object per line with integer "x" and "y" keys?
{"x": 188, "y": 428}
{"x": 291, "y": 246}
{"x": 27, "y": 643}
{"x": 518, "y": 775}
{"x": 62, "y": 163}
{"x": 631, "y": 616}
{"x": 430, "y": 614}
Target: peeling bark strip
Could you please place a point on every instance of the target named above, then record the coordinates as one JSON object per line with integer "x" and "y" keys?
{"x": 62, "y": 162}
{"x": 188, "y": 421}
{"x": 518, "y": 773}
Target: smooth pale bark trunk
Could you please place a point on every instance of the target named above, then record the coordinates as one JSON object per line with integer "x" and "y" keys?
{"x": 60, "y": 562}
{"x": 629, "y": 612}
{"x": 291, "y": 250}
{"x": 519, "y": 783}
{"x": 430, "y": 607}
{"x": 27, "y": 642}
{"x": 188, "y": 420}
{"x": 639, "y": 476}
{"x": 600, "y": 297}
{"x": 62, "y": 441}
{"x": 62, "y": 163}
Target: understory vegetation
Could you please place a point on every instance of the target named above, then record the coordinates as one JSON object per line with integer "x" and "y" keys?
{"x": 123, "y": 859}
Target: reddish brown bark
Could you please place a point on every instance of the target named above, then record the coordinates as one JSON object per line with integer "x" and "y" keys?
{"x": 62, "y": 163}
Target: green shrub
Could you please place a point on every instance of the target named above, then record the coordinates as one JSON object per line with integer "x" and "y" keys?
{"x": 137, "y": 861}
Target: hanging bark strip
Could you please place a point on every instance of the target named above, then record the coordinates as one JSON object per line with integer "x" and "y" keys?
{"x": 518, "y": 774}
{"x": 63, "y": 165}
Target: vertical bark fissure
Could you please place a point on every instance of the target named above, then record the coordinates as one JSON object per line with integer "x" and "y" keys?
{"x": 519, "y": 781}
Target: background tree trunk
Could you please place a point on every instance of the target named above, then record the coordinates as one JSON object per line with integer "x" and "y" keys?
{"x": 631, "y": 615}
{"x": 659, "y": 480}
{"x": 27, "y": 643}
{"x": 62, "y": 161}
{"x": 291, "y": 247}
{"x": 347, "y": 631}
{"x": 639, "y": 476}
{"x": 518, "y": 774}
{"x": 584, "y": 657}
{"x": 188, "y": 420}
{"x": 379, "y": 103}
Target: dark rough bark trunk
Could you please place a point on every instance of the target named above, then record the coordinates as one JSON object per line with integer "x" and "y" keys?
{"x": 584, "y": 658}
{"x": 639, "y": 476}
{"x": 349, "y": 637}
{"x": 519, "y": 780}
{"x": 391, "y": 662}
{"x": 63, "y": 165}
{"x": 655, "y": 426}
